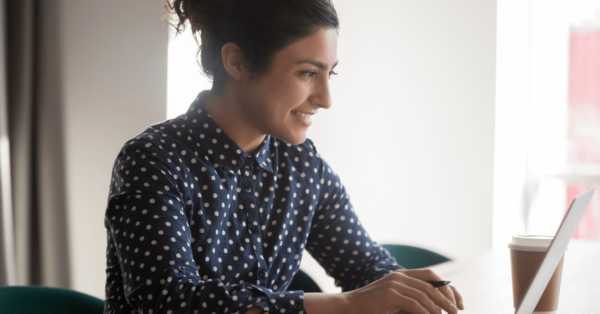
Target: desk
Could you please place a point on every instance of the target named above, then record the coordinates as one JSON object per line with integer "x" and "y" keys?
{"x": 579, "y": 291}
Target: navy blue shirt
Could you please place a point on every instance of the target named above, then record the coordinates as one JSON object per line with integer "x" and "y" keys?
{"x": 196, "y": 225}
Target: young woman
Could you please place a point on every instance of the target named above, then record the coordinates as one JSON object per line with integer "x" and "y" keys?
{"x": 210, "y": 212}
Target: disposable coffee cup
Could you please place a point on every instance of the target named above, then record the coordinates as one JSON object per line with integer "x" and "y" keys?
{"x": 526, "y": 254}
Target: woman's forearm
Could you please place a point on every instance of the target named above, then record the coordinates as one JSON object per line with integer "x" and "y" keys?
{"x": 319, "y": 303}
{"x": 326, "y": 303}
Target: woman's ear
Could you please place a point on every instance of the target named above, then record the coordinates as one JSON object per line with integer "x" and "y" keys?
{"x": 231, "y": 55}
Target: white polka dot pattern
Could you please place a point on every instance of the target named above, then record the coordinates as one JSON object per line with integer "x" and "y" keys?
{"x": 196, "y": 225}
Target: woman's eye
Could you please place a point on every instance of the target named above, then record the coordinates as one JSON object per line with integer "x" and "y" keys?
{"x": 310, "y": 74}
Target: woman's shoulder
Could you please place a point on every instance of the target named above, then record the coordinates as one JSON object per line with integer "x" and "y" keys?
{"x": 150, "y": 141}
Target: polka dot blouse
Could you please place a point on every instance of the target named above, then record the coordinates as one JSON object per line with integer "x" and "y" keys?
{"x": 196, "y": 225}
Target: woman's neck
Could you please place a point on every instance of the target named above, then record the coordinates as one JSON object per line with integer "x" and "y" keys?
{"x": 226, "y": 112}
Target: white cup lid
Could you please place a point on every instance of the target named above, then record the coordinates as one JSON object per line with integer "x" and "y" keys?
{"x": 531, "y": 242}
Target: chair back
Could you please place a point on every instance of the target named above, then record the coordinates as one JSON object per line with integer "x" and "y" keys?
{"x": 48, "y": 300}
{"x": 412, "y": 257}
{"x": 407, "y": 256}
{"x": 302, "y": 281}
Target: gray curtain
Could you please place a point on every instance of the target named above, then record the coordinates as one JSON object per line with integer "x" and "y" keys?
{"x": 7, "y": 256}
{"x": 35, "y": 128}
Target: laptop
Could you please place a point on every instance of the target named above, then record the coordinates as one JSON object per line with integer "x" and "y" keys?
{"x": 555, "y": 252}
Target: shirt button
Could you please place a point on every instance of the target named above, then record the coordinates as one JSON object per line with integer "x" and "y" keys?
{"x": 255, "y": 228}
{"x": 248, "y": 186}
{"x": 297, "y": 307}
{"x": 277, "y": 306}
{"x": 181, "y": 268}
{"x": 263, "y": 273}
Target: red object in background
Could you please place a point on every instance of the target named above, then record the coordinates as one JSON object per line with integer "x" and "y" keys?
{"x": 588, "y": 228}
{"x": 584, "y": 121}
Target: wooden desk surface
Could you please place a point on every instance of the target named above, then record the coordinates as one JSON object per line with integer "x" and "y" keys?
{"x": 486, "y": 285}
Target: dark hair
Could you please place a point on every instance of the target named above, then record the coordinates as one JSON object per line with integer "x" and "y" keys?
{"x": 261, "y": 28}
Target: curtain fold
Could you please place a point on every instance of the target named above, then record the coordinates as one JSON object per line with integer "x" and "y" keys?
{"x": 37, "y": 142}
{"x": 7, "y": 252}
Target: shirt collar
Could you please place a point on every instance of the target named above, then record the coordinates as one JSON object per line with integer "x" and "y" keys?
{"x": 218, "y": 145}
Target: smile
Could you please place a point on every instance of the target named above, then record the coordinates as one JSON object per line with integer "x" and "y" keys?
{"x": 304, "y": 117}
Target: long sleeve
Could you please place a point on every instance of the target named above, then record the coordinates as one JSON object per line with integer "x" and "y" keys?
{"x": 148, "y": 217}
{"x": 338, "y": 241}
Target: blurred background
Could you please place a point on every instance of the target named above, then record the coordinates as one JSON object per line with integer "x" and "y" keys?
{"x": 489, "y": 112}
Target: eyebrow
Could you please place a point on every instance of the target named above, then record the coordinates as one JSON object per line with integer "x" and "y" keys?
{"x": 318, "y": 64}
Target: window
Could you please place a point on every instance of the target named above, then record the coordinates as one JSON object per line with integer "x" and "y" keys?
{"x": 564, "y": 115}
{"x": 547, "y": 144}
{"x": 584, "y": 121}
{"x": 184, "y": 80}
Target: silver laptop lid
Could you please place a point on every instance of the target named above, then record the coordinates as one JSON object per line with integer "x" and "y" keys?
{"x": 555, "y": 252}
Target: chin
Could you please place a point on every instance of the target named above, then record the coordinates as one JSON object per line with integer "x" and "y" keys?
{"x": 294, "y": 139}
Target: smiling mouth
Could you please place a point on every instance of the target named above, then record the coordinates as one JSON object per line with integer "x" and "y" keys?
{"x": 302, "y": 115}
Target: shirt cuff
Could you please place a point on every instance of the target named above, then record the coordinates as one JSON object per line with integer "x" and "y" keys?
{"x": 286, "y": 302}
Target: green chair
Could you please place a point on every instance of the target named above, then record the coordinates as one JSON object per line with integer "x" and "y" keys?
{"x": 302, "y": 281}
{"x": 411, "y": 257}
{"x": 48, "y": 300}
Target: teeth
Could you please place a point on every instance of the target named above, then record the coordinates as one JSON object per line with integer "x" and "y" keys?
{"x": 303, "y": 115}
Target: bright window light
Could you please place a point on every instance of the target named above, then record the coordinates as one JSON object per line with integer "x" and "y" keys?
{"x": 184, "y": 78}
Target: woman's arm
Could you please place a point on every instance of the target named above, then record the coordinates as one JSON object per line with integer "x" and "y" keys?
{"x": 327, "y": 303}
{"x": 320, "y": 303}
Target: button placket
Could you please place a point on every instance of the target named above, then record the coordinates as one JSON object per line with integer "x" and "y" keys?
{"x": 248, "y": 186}
{"x": 252, "y": 216}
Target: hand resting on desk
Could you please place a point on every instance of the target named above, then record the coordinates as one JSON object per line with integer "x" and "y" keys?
{"x": 407, "y": 291}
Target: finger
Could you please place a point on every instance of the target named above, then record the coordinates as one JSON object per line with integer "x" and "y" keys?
{"x": 448, "y": 293}
{"x": 459, "y": 298}
{"x": 434, "y": 294}
{"x": 427, "y": 274}
{"x": 418, "y": 295}
{"x": 424, "y": 274}
{"x": 406, "y": 304}
{"x": 452, "y": 294}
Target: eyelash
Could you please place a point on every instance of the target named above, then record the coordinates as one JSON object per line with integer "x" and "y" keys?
{"x": 314, "y": 72}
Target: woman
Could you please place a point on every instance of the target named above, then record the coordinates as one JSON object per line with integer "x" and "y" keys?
{"x": 210, "y": 212}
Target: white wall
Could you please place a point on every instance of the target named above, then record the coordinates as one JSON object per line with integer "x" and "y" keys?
{"x": 114, "y": 85}
{"x": 411, "y": 129}
{"x": 512, "y": 103}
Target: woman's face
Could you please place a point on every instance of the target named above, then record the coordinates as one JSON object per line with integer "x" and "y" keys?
{"x": 298, "y": 82}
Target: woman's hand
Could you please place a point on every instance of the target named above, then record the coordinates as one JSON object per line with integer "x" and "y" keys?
{"x": 405, "y": 289}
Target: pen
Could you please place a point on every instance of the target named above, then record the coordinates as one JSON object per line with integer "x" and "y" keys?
{"x": 437, "y": 284}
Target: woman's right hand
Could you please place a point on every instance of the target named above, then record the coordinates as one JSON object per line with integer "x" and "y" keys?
{"x": 399, "y": 291}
